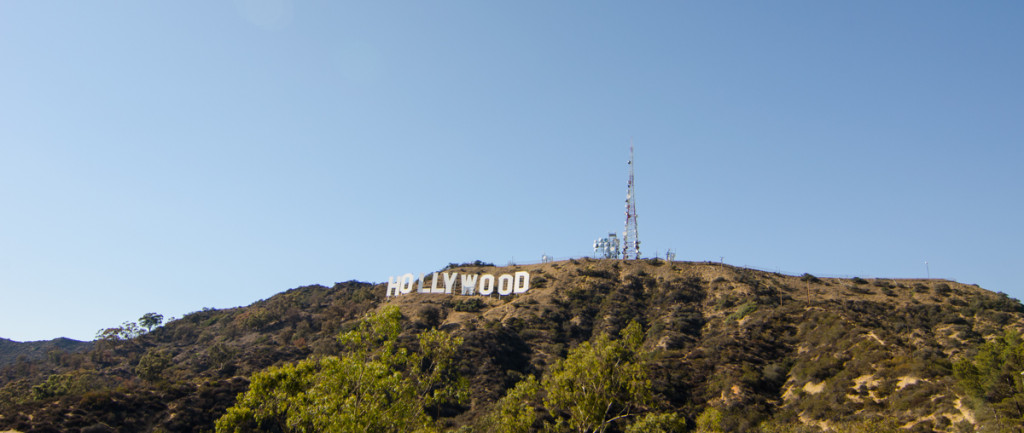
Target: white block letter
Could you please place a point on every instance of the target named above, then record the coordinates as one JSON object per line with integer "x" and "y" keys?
{"x": 504, "y": 285}
{"x": 522, "y": 282}
{"x": 449, "y": 283}
{"x": 468, "y": 284}
{"x": 420, "y": 288}
{"x": 393, "y": 286}
{"x": 407, "y": 282}
{"x": 486, "y": 284}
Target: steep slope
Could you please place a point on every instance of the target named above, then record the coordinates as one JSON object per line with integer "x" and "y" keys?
{"x": 755, "y": 345}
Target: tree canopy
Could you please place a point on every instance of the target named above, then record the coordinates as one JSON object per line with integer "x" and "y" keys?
{"x": 995, "y": 377}
{"x": 151, "y": 320}
{"x": 598, "y": 385}
{"x": 375, "y": 386}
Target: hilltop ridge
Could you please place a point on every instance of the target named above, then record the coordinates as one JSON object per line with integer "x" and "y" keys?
{"x": 11, "y": 351}
{"x": 754, "y": 345}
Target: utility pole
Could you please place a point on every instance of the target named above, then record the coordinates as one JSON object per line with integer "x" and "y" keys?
{"x": 808, "y": 290}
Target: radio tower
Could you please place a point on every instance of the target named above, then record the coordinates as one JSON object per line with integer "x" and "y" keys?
{"x": 630, "y": 238}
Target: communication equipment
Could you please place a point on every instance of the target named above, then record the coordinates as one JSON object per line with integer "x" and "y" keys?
{"x": 607, "y": 247}
{"x": 630, "y": 237}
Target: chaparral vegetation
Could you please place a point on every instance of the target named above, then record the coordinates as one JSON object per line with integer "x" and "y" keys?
{"x": 593, "y": 346}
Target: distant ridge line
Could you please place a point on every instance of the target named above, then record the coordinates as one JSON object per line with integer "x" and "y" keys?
{"x": 753, "y": 268}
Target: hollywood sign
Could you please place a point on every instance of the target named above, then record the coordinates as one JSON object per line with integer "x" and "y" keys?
{"x": 471, "y": 284}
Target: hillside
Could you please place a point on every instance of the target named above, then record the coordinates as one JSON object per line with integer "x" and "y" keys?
{"x": 753, "y": 345}
{"x": 12, "y": 351}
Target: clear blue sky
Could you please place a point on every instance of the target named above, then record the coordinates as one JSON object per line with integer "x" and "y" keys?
{"x": 170, "y": 156}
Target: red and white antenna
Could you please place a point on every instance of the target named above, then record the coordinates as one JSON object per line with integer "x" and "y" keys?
{"x": 630, "y": 238}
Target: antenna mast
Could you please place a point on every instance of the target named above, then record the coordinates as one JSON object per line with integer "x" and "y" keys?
{"x": 630, "y": 238}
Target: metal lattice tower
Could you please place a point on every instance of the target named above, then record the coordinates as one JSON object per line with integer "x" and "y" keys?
{"x": 630, "y": 238}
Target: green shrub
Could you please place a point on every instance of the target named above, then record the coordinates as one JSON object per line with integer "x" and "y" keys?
{"x": 810, "y": 278}
{"x": 152, "y": 365}
{"x": 796, "y": 427}
{"x": 743, "y": 311}
{"x": 869, "y": 426}
{"x": 470, "y": 305}
{"x": 254, "y": 319}
{"x": 73, "y": 383}
{"x": 658, "y": 423}
{"x": 860, "y": 290}
{"x": 595, "y": 273}
{"x": 56, "y": 385}
{"x": 474, "y": 263}
{"x": 709, "y": 421}
{"x": 726, "y": 301}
